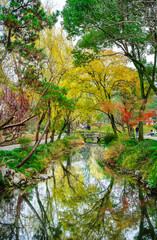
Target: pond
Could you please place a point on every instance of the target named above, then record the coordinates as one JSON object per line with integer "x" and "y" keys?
{"x": 80, "y": 201}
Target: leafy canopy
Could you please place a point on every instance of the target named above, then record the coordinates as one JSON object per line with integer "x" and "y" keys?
{"x": 127, "y": 24}
{"x": 20, "y": 24}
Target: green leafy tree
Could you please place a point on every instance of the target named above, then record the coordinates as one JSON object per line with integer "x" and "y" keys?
{"x": 130, "y": 25}
{"x": 126, "y": 24}
{"x": 20, "y": 24}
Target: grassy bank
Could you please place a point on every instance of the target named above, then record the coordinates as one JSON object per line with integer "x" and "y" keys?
{"x": 137, "y": 158}
{"x": 44, "y": 154}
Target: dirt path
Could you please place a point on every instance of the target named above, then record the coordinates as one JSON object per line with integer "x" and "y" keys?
{"x": 11, "y": 147}
{"x": 150, "y": 137}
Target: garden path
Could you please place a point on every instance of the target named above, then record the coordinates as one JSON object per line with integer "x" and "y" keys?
{"x": 11, "y": 147}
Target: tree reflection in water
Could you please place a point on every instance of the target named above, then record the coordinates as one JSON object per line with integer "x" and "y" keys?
{"x": 79, "y": 202}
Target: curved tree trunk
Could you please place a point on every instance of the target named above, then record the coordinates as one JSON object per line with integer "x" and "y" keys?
{"x": 37, "y": 143}
{"x": 38, "y": 127}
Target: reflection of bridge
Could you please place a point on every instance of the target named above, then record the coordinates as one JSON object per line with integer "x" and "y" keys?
{"x": 92, "y": 136}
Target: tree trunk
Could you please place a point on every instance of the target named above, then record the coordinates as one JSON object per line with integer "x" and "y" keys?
{"x": 142, "y": 109}
{"x": 128, "y": 128}
{"x": 46, "y": 136}
{"x": 111, "y": 117}
{"x": 64, "y": 126}
{"x": 37, "y": 143}
{"x": 141, "y": 138}
{"x": 38, "y": 127}
{"x": 68, "y": 126}
{"x": 52, "y": 135}
{"x": 123, "y": 128}
{"x": 68, "y": 129}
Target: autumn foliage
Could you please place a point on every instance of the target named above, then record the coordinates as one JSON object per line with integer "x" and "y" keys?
{"x": 13, "y": 103}
{"x": 131, "y": 117}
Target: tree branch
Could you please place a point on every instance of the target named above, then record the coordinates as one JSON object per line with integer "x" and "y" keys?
{"x": 17, "y": 124}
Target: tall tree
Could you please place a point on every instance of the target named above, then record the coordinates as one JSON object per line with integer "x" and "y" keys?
{"x": 20, "y": 25}
{"x": 105, "y": 79}
{"x": 127, "y": 24}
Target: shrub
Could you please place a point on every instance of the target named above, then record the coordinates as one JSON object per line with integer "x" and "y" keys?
{"x": 25, "y": 142}
{"x": 130, "y": 161}
{"x": 152, "y": 177}
{"x": 108, "y": 138}
{"x": 114, "y": 152}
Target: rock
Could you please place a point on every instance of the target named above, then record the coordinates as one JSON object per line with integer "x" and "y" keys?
{"x": 3, "y": 171}
{"x": 12, "y": 172}
{"x": 42, "y": 176}
{"x": 19, "y": 178}
{"x": 16, "y": 180}
{"x": 11, "y": 178}
{"x": 6, "y": 172}
{"x": 137, "y": 173}
{"x": 17, "y": 192}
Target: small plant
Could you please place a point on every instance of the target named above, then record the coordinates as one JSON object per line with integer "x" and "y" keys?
{"x": 25, "y": 142}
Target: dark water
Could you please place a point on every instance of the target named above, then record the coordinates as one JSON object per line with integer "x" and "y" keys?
{"x": 80, "y": 201}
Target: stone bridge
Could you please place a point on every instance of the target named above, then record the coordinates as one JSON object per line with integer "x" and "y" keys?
{"x": 92, "y": 136}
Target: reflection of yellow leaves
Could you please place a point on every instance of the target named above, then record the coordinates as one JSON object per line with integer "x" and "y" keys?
{"x": 95, "y": 169}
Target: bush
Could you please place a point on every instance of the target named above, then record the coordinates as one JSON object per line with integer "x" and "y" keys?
{"x": 108, "y": 138}
{"x": 130, "y": 161}
{"x": 25, "y": 142}
{"x": 114, "y": 152}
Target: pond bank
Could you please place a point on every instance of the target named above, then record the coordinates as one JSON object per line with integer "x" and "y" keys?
{"x": 137, "y": 159}
{"x": 31, "y": 171}
{"x": 80, "y": 201}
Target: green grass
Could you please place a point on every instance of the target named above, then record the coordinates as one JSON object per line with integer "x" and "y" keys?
{"x": 39, "y": 160}
{"x": 128, "y": 154}
{"x": 147, "y": 128}
{"x": 107, "y": 128}
{"x": 142, "y": 157}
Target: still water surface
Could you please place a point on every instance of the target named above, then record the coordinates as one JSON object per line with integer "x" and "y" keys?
{"x": 80, "y": 201}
